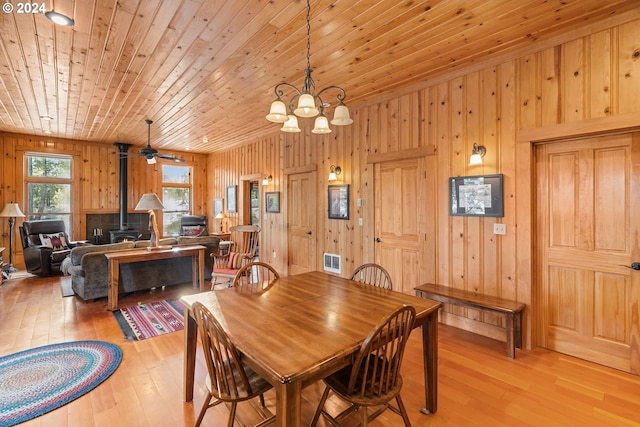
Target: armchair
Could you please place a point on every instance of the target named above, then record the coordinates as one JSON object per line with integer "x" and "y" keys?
{"x": 245, "y": 250}
{"x": 194, "y": 225}
{"x": 45, "y": 244}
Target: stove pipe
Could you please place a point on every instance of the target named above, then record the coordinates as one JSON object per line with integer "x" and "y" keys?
{"x": 124, "y": 179}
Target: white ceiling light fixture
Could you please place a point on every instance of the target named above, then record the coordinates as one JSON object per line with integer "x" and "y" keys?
{"x": 310, "y": 103}
{"x": 59, "y": 18}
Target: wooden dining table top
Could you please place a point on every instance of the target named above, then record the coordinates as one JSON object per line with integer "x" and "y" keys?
{"x": 306, "y": 322}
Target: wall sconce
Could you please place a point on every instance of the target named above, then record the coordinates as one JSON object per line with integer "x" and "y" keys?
{"x": 267, "y": 180}
{"x": 477, "y": 154}
{"x": 334, "y": 171}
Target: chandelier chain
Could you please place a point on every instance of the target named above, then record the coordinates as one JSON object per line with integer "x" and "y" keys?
{"x": 309, "y": 34}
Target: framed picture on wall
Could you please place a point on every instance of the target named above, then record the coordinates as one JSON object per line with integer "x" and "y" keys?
{"x": 217, "y": 207}
{"x": 338, "y": 199}
{"x": 479, "y": 195}
{"x": 231, "y": 198}
{"x": 272, "y": 202}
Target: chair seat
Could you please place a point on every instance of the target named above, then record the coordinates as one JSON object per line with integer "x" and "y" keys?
{"x": 226, "y": 271}
{"x": 339, "y": 381}
{"x": 258, "y": 386}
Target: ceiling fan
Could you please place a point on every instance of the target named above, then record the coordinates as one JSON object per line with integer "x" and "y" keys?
{"x": 151, "y": 153}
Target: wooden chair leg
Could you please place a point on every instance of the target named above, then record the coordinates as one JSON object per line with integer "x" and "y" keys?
{"x": 323, "y": 399}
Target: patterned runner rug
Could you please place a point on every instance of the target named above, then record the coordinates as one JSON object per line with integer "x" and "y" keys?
{"x": 36, "y": 381}
{"x": 149, "y": 320}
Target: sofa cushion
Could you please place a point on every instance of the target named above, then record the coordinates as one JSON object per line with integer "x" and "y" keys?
{"x": 79, "y": 251}
{"x": 55, "y": 241}
{"x": 167, "y": 241}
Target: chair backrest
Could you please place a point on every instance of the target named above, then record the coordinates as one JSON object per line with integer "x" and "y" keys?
{"x": 373, "y": 274}
{"x": 376, "y": 370}
{"x": 30, "y": 231}
{"x": 245, "y": 238}
{"x": 255, "y": 277}
{"x": 194, "y": 225}
{"x": 229, "y": 379}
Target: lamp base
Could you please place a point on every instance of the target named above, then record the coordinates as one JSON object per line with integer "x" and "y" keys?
{"x": 159, "y": 248}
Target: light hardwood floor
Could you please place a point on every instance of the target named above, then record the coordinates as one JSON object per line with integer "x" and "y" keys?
{"x": 478, "y": 385}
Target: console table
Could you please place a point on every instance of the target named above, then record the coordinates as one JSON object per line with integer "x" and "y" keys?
{"x": 123, "y": 257}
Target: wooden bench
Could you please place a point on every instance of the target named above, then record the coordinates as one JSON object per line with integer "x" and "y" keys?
{"x": 511, "y": 310}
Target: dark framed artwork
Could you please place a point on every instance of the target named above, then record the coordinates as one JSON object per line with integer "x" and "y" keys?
{"x": 231, "y": 198}
{"x": 272, "y": 202}
{"x": 217, "y": 206}
{"x": 479, "y": 195}
{"x": 338, "y": 199}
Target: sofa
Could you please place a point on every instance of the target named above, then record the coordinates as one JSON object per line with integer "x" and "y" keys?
{"x": 89, "y": 270}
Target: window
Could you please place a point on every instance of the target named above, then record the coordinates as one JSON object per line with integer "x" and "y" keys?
{"x": 48, "y": 182}
{"x": 176, "y": 197}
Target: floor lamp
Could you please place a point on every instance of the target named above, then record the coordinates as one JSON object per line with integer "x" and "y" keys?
{"x": 11, "y": 210}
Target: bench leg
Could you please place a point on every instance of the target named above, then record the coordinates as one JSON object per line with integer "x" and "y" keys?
{"x": 518, "y": 329}
{"x": 511, "y": 338}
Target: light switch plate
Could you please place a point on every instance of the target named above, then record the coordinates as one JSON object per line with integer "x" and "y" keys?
{"x": 500, "y": 229}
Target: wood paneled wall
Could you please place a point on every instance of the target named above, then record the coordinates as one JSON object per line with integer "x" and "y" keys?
{"x": 566, "y": 84}
{"x": 573, "y": 85}
{"x": 96, "y": 177}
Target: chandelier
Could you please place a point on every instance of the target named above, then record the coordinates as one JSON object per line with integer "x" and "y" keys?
{"x": 310, "y": 103}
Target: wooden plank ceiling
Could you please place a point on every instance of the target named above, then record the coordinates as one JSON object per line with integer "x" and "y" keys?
{"x": 204, "y": 70}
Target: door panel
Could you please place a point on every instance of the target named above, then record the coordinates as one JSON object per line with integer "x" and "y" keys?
{"x": 586, "y": 219}
{"x": 301, "y": 220}
{"x": 399, "y": 207}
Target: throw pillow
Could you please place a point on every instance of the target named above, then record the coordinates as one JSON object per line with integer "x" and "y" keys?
{"x": 191, "y": 230}
{"x": 56, "y": 241}
{"x": 235, "y": 260}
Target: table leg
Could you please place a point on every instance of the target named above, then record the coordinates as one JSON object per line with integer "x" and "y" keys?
{"x": 114, "y": 273}
{"x": 288, "y": 404}
{"x": 430, "y": 355}
{"x": 190, "y": 346}
{"x": 201, "y": 269}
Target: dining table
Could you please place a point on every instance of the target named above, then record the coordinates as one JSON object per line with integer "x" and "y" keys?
{"x": 303, "y": 328}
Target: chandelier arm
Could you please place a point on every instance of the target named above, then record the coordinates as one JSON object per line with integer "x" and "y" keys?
{"x": 279, "y": 92}
{"x": 341, "y": 96}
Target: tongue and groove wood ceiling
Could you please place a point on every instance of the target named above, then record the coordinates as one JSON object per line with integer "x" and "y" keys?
{"x": 204, "y": 70}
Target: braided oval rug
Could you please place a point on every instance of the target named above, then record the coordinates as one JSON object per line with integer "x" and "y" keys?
{"x": 36, "y": 381}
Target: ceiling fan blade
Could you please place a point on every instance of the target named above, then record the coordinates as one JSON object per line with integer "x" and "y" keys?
{"x": 168, "y": 157}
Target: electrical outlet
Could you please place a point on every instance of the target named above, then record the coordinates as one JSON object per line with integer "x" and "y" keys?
{"x": 500, "y": 229}
{"x": 359, "y": 204}
{"x": 274, "y": 253}
{"x": 360, "y": 222}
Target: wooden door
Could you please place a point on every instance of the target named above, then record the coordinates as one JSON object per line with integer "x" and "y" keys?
{"x": 400, "y": 212}
{"x": 588, "y": 231}
{"x": 301, "y": 222}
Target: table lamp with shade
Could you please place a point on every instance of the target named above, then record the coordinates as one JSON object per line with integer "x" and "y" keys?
{"x": 11, "y": 210}
{"x": 221, "y": 217}
{"x": 150, "y": 202}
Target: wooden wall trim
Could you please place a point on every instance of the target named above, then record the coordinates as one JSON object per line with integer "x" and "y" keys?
{"x": 620, "y": 123}
{"x": 300, "y": 169}
{"x": 411, "y": 153}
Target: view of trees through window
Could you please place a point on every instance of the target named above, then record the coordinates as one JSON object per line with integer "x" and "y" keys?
{"x": 176, "y": 197}
{"x": 49, "y": 188}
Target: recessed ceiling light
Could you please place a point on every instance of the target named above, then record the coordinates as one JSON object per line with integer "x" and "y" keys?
{"x": 47, "y": 132}
{"x": 59, "y": 18}
{"x": 46, "y": 117}
{"x": 205, "y": 140}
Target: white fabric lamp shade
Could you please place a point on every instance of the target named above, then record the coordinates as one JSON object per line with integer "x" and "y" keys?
{"x": 11, "y": 210}
{"x": 475, "y": 160}
{"x": 149, "y": 202}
